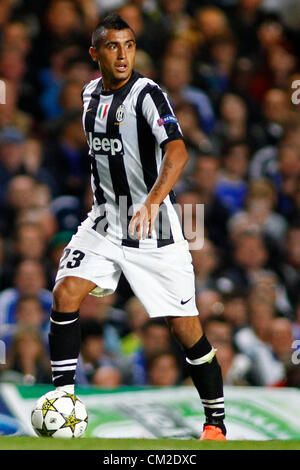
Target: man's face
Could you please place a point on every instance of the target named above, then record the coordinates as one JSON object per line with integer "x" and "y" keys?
{"x": 115, "y": 55}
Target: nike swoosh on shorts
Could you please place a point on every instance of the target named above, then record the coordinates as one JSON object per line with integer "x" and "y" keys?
{"x": 183, "y": 302}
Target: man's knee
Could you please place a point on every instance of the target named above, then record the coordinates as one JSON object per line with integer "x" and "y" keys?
{"x": 67, "y": 295}
{"x": 187, "y": 330}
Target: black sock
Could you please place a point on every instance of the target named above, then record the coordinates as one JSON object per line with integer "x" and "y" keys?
{"x": 64, "y": 345}
{"x": 207, "y": 377}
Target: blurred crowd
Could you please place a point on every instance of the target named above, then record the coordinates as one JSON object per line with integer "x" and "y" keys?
{"x": 231, "y": 70}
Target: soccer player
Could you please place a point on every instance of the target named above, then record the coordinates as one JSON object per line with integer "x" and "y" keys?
{"x": 137, "y": 154}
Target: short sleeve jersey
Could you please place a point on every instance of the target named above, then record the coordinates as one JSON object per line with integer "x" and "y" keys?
{"x": 126, "y": 130}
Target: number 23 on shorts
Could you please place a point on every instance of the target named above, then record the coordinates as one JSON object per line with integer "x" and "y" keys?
{"x": 74, "y": 262}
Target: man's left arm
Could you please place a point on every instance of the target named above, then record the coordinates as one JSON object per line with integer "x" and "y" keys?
{"x": 173, "y": 163}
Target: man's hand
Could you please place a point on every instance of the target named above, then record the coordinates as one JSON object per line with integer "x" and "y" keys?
{"x": 143, "y": 221}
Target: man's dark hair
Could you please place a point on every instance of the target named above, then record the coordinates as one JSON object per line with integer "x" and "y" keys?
{"x": 112, "y": 21}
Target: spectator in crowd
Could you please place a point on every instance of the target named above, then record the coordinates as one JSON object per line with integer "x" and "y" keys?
{"x": 27, "y": 359}
{"x": 11, "y": 115}
{"x": 11, "y": 157}
{"x": 66, "y": 157}
{"x": 235, "y": 122}
{"x": 286, "y": 179}
{"x": 282, "y": 168}
{"x": 67, "y": 211}
{"x": 277, "y": 60}
{"x": 14, "y": 68}
{"x": 150, "y": 36}
{"x": 155, "y": 339}
{"x": 174, "y": 16}
{"x": 29, "y": 313}
{"x": 235, "y": 309}
{"x": 195, "y": 139}
{"x": 254, "y": 342}
{"x": 51, "y": 79}
{"x": 282, "y": 64}
{"x": 231, "y": 187}
{"x": 92, "y": 356}
{"x": 33, "y": 162}
{"x": 206, "y": 263}
{"x": 144, "y": 64}
{"x": 245, "y": 20}
{"x": 236, "y": 367}
{"x": 29, "y": 280}
{"x": 265, "y": 284}
{"x": 209, "y": 303}
{"x": 250, "y": 256}
{"x": 137, "y": 317}
{"x": 277, "y": 113}
{"x": 216, "y": 215}
{"x": 15, "y": 35}
{"x": 183, "y": 45}
{"x": 176, "y": 78}
{"x": 212, "y": 22}
{"x": 40, "y": 216}
{"x": 79, "y": 69}
{"x": 107, "y": 377}
{"x": 20, "y": 192}
{"x": 163, "y": 370}
{"x": 29, "y": 243}
{"x": 70, "y": 95}
{"x": 61, "y": 26}
{"x": 270, "y": 32}
{"x": 264, "y": 163}
{"x": 281, "y": 339}
{"x": 214, "y": 73}
{"x": 260, "y": 203}
{"x": 218, "y": 330}
{"x": 112, "y": 319}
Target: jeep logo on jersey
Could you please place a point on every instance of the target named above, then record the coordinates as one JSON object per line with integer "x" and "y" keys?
{"x": 120, "y": 114}
{"x": 101, "y": 143}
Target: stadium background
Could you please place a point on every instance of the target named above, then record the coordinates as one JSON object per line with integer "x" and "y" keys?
{"x": 229, "y": 68}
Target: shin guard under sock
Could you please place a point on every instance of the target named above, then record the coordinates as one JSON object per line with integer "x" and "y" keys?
{"x": 64, "y": 345}
{"x": 207, "y": 377}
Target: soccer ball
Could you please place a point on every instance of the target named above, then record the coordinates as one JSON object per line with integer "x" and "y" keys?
{"x": 59, "y": 414}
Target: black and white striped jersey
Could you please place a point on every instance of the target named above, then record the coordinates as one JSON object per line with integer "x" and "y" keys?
{"x": 126, "y": 130}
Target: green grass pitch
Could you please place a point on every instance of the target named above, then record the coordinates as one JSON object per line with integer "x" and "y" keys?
{"x": 32, "y": 443}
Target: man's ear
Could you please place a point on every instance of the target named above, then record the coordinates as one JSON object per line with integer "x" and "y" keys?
{"x": 93, "y": 54}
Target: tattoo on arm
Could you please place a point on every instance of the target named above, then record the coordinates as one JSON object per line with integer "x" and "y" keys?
{"x": 170, "y": 170}
{"x": 161, "y": 182}
{"x": 168, "y": 163}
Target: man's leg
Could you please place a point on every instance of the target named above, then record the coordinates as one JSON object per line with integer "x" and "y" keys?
{"x": 203, "y": 365}
{"x": 64, "y": 336}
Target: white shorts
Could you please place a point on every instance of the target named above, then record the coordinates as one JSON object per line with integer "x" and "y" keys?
{"x": 162, "y": 278}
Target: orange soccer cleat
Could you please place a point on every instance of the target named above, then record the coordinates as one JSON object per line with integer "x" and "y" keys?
{"x": 212, "y": 433}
